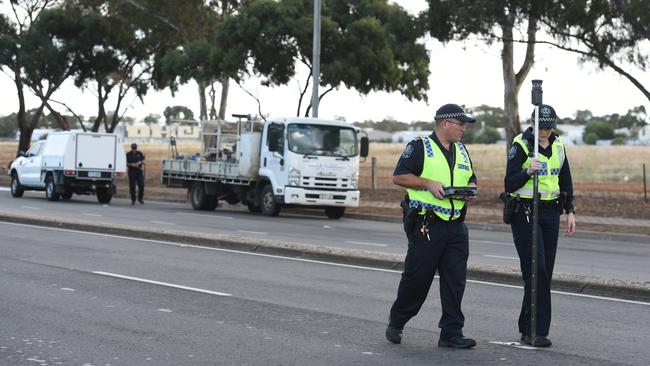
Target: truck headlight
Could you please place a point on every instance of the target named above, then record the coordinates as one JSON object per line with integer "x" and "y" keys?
{"x": 354, "y": 181}
{"x": 294, "y": 177}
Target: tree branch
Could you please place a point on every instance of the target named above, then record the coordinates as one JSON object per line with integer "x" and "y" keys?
{"x": 259, "y": 105}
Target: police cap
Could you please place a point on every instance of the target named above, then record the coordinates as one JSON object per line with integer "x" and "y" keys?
{"x": 547, "y": 117}
{"x": 134, "y": 145}
{"x": 453, "y": 111}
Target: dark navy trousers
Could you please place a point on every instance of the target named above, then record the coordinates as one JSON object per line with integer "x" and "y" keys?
{"x": 446, "y": 253}
{"x": 136, "y": 176}
{"x": 522, "y": 232}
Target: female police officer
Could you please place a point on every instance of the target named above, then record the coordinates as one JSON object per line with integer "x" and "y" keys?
{"x": 556, "y": 194}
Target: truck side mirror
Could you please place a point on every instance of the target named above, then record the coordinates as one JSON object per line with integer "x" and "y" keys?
{"x": 365, "y": 146}
{"x": 21, "y": 153}
{"x": 274, "y": 139}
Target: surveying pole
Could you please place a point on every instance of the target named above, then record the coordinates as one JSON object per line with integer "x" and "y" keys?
{"x": 315, "y": 62}
{"x": 537, "y": 101}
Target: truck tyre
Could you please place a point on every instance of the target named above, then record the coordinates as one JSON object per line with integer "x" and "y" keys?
{"x": 267, "y": 202}
{"x": 211, "y": 203}
{"x": 16, "y": 188}
{"x": 50, "y": 189}
{"x": 252, "y": 207}
{"x": 335, "y": 212}
{"x": 104, "y": 195}
{"x": 197, "y": 196}
{"x": 67, "y": 195}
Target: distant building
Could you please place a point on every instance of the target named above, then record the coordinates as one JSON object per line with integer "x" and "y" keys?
{"x": 644, "y": 135}
{"x": 571, "y": 134}
{"x": 406, "y": 136}
{"x": 378, "y": 136}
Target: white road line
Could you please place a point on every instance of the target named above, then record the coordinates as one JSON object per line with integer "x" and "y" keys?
{"x": 500, "y": 257}
{"x": 492, "y": 243}
{"x": 162, "y": 223}
{"x": 252, "y": 232}
{"x": 91, "y": 214}
{"x": 370, "y": 244}
{"x": 166, "y": 284}
{"x": 31, "y": 208}
{"x": 518, "y": 345}
{"x": 312, "y": 261}
{"x": 208, "y": 216}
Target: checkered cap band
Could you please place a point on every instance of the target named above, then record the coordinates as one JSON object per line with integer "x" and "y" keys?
{"x": 448, "y": 115}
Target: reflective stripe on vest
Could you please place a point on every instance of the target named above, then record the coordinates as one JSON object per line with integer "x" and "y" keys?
{"x": 548, "y": 175}
{"x": 436, "y": 168}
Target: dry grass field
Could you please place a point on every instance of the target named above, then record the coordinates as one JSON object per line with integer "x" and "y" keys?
{"x": 620, "y": 166}
{"x": 607, "y": 180}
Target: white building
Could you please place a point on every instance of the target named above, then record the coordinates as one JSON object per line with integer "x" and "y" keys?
{"x": 406, "y": 136}
{"x": 644, "y": 135}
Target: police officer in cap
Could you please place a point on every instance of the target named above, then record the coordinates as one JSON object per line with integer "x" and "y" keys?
{"x": 556, "y": 195}
{"x": 437, "y": 237}
{"x": 135, "y": 162}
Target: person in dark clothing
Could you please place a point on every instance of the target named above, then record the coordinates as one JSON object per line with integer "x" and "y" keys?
{"x": 135, "y": 162}
{"x": 437, "y": 237}
{"x": 556, "y": 195}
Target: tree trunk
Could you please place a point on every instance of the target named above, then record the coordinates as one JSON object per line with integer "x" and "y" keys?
{"x": 225, "y": 85}
{"x": 512, "y": 82}
{"x": 203, "y": 103}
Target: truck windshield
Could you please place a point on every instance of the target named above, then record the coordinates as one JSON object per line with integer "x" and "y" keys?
{"x": 322, "y": 140}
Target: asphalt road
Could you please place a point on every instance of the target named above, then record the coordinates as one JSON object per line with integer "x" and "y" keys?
{"x": 74, "y": 298}
{"x": 624, "y": 260}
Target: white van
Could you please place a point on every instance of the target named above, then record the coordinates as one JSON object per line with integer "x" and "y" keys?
{"x": 70, "y": 162}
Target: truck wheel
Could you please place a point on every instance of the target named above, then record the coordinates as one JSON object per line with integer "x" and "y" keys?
{"x": 67, "y": 195}
{"x": 50, "y": 189}
{"x": 197, "y": 196}
{"x": 16, "y": 189}
{"x": 211, "y": 203}
{"x": 335, "y": 212}
{"x": 252, "y": 207}
{"x": 104, "y": 195}
{"x": 267, "y": 202}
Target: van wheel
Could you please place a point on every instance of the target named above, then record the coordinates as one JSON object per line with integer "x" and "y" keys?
{"x": 16, "y": 188}
{"x": 104, "y": 195}
{"x": 197, "y": 196}
{"x": 334, "y": 212}
{"x": 50, "y": 189}
{"x": 267, "y": 202}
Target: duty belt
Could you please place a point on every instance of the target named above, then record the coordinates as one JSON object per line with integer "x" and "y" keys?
{"x": 436, "y": 208}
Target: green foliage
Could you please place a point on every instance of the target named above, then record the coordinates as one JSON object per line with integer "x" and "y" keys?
{"x": 8, "y": 126}
{"x": 489, "y": 135}
{"x": 366, "y": 44}
{"x": 490, "y": 116}
{"x": 152, "y": 118}
{"x": 590, "y": 138}
{"x": 618, "y": 141}
{"x": 387, "y": 125}
{"x": 177, "y": 112}
{"x": 601, "y": 129}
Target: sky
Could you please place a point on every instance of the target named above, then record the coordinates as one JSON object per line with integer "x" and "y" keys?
{"x": 467, "y": 73}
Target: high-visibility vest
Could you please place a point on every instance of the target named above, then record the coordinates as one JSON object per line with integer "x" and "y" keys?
{"x": 437, "y": 168}
{"x": 548, "y": 174}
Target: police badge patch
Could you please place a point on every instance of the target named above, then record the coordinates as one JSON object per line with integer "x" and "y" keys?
{"x": 407, "y": 151}
{"x": 512, "y": 152}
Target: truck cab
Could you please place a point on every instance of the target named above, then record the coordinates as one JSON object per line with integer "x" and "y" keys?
{"x": 310, "y": 162}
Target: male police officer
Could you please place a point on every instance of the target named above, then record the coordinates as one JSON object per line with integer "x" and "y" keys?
{"x": 554, "y": 177}
{"x": 135, "y": 162}
{"x": 438, "y": 240}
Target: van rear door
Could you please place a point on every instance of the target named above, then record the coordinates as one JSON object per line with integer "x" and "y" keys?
{"x": 95, "y": 152}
